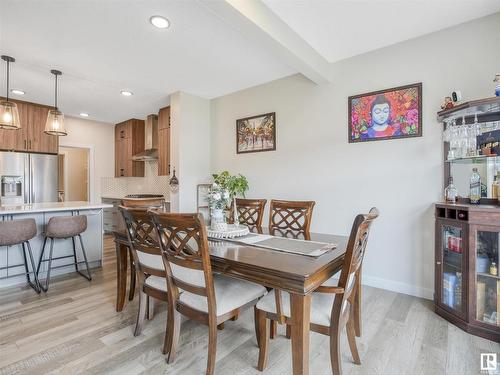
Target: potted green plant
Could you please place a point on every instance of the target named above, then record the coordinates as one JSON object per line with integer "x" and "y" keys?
{"x": 236, "y": 185}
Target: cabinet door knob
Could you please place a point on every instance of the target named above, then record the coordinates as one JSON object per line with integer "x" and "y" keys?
{"x": 438, "y": 263}
{"x": 25, "y": 144}
{"x": 29, "y": 144}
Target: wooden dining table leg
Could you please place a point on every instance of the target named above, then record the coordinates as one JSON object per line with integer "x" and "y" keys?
{"x": 121, "y": 275}
{"x": 300, "y": 315}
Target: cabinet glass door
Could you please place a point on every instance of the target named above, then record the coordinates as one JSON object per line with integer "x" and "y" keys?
{"x": 452, "y": 247}
{"x": 487, "y": 279}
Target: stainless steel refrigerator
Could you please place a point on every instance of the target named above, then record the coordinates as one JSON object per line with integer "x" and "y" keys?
{"x": 28, "y": 178}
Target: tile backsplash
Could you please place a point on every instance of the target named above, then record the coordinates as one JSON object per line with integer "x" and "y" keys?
{"x": 151, "y": 183}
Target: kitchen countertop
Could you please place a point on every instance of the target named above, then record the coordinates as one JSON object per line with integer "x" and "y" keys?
{"x": 51, "y": 207}
{"x": 120, "y": 198}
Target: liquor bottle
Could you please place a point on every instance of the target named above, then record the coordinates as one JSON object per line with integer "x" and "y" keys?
{"x": 475, "y": 187}
{"x": 494, "y": 188}
{"x": 450, "y": 193}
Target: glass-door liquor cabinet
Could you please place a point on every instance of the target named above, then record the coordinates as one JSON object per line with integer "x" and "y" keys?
{"x": 467, "y": 277}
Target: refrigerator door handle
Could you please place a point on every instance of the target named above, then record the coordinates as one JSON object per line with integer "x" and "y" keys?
{"x": 32, "y": 184}
{"x": 27, "y": 179}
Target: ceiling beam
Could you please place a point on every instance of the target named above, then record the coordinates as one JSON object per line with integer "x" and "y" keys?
{"x": 257, "y": 22}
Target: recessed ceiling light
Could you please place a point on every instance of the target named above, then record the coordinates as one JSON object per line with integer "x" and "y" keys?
{"x": 17, "y": 92}
{"x": 126, "y": 93}
{"x": 84, "y": 114}
{"x": 159, "y": 22}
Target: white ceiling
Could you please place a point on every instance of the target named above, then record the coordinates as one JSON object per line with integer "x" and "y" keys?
{"x": 104, "y": 46}
{"x": 339, "y": 29}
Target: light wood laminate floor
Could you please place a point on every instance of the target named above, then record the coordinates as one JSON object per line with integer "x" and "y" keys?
{"x": 74, "y": 329}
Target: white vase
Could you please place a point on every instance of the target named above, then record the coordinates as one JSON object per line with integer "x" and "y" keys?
{"x": 218, "y": 220}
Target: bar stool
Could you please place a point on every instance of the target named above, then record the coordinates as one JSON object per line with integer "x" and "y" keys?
{"x": 63, "y": 227}
{"x": 20, "y": 232}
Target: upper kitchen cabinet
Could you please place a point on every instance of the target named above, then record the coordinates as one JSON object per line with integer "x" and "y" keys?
{"x": 129, "y": 140}
{"x": 31, "y": 136}
{"x": 164, "y": 142}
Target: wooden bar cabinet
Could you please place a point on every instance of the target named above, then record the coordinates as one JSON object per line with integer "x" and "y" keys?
{"x": 467, "y": 280}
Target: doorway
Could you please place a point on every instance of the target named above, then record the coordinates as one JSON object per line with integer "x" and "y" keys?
{"x": 73, "y": 174}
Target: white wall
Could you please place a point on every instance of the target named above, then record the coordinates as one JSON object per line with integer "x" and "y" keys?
{"x": 190, "y": 147}
{"x": 402, "y": 178}
{"x": 99, "y": 138}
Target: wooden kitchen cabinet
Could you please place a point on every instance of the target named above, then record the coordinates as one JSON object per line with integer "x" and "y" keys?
{"x": 129, "y": 140}
{"x": 31, "y": 136}
{"x": 164, "y": 142}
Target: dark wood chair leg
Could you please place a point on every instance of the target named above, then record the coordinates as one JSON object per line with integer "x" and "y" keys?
{"x": 274, "y": 329}
{"x": 121, "y": 275}
{"x": 288, "y": 331}
{"x": 133, "y": 278}
{"x": 351, "y": 337}
{"x": 357, "y": 304}
{"x": 263, "y": 339}
{"x": 143, "y": 301}
{"x": 173, "y": 331}
{"x": 256, "y": 324}
{"x": 335, "y": 351}
{"x": 166, "y": 340}
{"x": 150, "y": 308}
{"x": 212, "y": 348}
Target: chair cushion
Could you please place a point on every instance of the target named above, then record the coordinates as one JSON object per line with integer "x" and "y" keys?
{"x": 321, "y": 306}
{"x": 230, "y": 294}
{"x": 66, "y": 226}
{"x": 13, "y": 232}
{"x": 157, "y": 282}
{"x": 321, "y": 303}
{"x": 151, "y": 260}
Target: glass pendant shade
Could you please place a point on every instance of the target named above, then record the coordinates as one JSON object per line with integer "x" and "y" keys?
{"x": 55, "y": 118}
{"x": 9, "y": 115}
{"x": 55, "y": 123}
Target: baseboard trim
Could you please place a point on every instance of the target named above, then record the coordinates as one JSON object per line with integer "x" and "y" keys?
{"x": 396, "y": 286}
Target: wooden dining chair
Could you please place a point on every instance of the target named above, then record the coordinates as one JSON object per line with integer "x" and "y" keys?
{"x": 147, "y": 258}
{"x": 331, "y": 305}
{"x": 194, "y": 291}
{"x": 137, "y": 203}
{"x": 250, "y": 211}
{"x": 292, "y": 216}
{"x": 290, "y": 219}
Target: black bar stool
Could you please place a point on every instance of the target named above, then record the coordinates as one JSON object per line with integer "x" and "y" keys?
{"x": 62, "y": 227}
{"x": 20, "y": 232}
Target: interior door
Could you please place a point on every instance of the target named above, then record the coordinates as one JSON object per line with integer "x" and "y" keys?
{"x": 44, "y": 178}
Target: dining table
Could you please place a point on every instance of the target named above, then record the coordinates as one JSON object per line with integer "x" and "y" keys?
{"x": 296, "y": 274}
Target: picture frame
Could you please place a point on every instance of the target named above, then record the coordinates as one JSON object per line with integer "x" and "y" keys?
{"x": 394, "y": 113}
{"x": 256, "y": 133}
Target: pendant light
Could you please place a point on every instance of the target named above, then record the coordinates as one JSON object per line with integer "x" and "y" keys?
{"x": 9, "y": 115}
{"x": 55, "y": 118}
{"x": 174, "y": 183}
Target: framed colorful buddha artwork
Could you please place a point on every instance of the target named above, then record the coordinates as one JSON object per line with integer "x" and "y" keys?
{"x": 386, "y": 114}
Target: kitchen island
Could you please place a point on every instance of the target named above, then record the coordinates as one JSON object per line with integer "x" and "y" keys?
{"x": 42, "y": 212}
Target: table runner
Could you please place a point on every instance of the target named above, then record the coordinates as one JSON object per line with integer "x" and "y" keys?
{"x": 287, "y": 245}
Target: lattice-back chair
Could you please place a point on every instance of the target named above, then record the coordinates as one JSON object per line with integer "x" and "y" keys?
{"x": 332, "y": 306}
{"x": 146, "y": 255}
{"x": 294, "y": 216}
{"x": 121, "y": 228}
{"x": 194, "y": 291}
{"x": 250, "y": 211}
